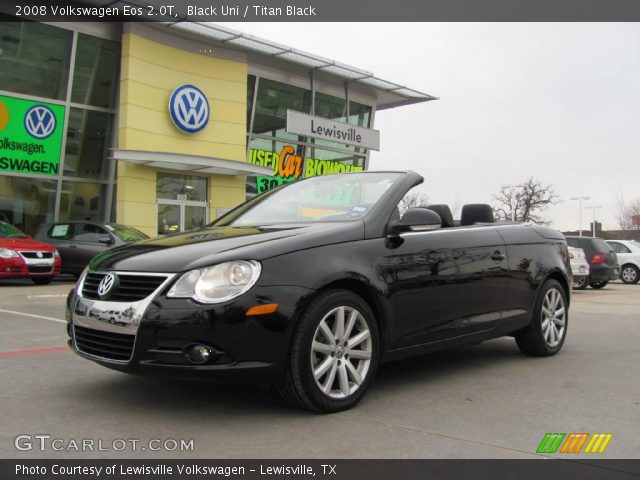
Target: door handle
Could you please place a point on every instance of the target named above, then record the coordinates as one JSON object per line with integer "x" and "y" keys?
{"x": 498, "y": 256}
{"x": 73, "y": 246}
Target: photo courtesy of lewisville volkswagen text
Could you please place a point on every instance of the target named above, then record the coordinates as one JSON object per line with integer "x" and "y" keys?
{"x": 327, "y": 240}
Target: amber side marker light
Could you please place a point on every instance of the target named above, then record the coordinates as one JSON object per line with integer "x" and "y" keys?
{"x": 262, "y": 310}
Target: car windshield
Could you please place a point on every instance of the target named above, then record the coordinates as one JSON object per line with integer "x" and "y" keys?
{"x": 9, "y": 231}
{"x": 331, "y": 198}
{"x": 126, "y": 234}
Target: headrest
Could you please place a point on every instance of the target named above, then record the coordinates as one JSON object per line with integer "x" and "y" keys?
{"x": 445, "y": 214}
{"x": 476, "y": 213}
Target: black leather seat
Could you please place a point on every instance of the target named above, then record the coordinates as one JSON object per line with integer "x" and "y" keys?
{"x": 445, "y": 214}
{"x": 476, "y": 213}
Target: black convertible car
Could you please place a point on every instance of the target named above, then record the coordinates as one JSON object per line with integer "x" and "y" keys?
{"x": 310, "y": 286}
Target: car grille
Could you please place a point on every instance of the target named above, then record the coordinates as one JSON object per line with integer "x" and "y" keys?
{"x": 40, "y": 269}
{"x": 114, "y": 346}
{"x": 131, "y": 287}
{"x": 35, "y": 254}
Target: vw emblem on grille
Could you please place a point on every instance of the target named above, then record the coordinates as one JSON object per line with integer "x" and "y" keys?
{"x": 39, "y": 254}
{"x": 106, "y": 285}
{"x": 40, "y": 122}
{"x": 189, "y": 108}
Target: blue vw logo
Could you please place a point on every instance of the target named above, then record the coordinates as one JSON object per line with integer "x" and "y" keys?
{"x": 189, "y": 109}
{"x": 40, "y": 122}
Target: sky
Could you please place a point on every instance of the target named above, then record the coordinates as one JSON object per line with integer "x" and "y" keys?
{"x": 556, "y": 101}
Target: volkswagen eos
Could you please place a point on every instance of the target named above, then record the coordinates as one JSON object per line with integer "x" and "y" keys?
{"x": 309, "y": 287}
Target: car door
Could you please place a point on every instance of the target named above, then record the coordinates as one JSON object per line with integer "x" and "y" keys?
{"x": 86, "y": 243}
{"x": 60, "y": 235}
{"x": 449, "y": 282}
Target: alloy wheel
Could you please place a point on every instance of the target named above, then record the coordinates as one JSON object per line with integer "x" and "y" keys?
{"x": 629, "y": 275}
{"x": 554, "y": 317}
{"x": 579, "y": 282}
{"x": 341, "y": 352}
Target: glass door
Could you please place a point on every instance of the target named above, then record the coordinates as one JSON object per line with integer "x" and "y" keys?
{"x": 178, "y": 216}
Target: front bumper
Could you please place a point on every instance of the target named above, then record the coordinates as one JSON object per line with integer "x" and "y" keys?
{"x": 19, "y": 267}
{"x": 160, "y": 330}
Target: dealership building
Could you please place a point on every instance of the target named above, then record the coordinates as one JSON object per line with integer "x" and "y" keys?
{"x": 165, "y": 127}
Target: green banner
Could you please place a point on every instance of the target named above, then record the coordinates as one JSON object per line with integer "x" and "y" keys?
{"x": 30, "y": 136}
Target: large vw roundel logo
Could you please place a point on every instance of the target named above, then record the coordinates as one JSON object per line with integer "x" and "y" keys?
{"x": 106, "y": 285}
{"x": 189, "y": 109}
{"x": 39, "y": 122}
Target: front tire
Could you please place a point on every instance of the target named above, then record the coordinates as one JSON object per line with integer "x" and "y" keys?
{"x": 334, "y": 354}
{"x": 630, "y": 274}
{"x": 598, "y": 285}
{"x": 548, "y": 328}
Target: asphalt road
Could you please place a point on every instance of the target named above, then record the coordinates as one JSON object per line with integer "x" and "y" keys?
{"x": 485, "y": 401}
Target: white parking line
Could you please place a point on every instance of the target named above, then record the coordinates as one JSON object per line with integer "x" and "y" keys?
{"x": 57, "y": 295}
{"x": 51, "y": 319}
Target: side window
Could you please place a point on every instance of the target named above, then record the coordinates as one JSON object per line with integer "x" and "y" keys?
{"x": 85, "y": 232}
{"x": 615, "y": 246}
{"x": 60, "y": 231}
{"x": 622, "y": 249}
{"x": 572, "y": 242}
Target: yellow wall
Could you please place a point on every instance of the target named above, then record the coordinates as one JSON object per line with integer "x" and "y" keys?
{"x": 150, "y": 71}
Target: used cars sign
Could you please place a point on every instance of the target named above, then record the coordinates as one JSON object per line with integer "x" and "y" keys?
{"x": 326, "y": 129}
{"x": 30, "y": 136}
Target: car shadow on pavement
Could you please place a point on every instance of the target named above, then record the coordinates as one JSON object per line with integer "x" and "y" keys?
{"x": 177, "y": 397}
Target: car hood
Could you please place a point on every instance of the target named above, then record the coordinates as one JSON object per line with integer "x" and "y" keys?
{"x": 25, "y": 244}
{"x": 207, "y": 246}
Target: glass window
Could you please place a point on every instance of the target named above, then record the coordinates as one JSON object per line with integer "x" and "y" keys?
{"x": 60, "y": 231}
{"x": 251, "y": 86}
{"x": 86, "y": 232}
{"x": 181, "y": 187}
{"x": 88, "y": 141}
{"x": 125, "y": 233}
{"x": 95, "y": 75}
{"x": 359, "y": 114}
{"x": 328, "y": 106}
{"x": 27, "y": 203}
{"x": 34, "y": 59}
{"x": 82, "y": 201}
{"x": 9, "y": 231}
{"x": 273, "y": 101}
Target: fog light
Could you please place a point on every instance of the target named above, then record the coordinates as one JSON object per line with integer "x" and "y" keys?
{"x": 198, "y": 354}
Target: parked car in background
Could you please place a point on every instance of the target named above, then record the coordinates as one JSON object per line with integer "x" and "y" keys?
{"x": 79, "y": 242}
{"x": 23, "y": 257}
{"x": 603, "y": 263}
{"x": 628, "y": 252}
{"x": 579, "y": 268}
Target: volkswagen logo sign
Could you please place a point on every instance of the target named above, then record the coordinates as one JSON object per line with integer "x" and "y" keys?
{"x": 107, "y": 284}
{"x": 40, "y": 122}
{"x": 39, "y": 254}
{"x": 189, "y": 109}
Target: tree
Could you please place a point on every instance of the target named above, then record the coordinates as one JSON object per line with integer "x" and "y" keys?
{"x": 625, "y": 211}
{"x": 411, "y": 200}
{"x": 523, "y": 203}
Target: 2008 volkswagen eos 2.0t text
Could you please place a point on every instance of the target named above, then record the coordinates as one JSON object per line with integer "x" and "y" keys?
{"x": 311, "y": 285}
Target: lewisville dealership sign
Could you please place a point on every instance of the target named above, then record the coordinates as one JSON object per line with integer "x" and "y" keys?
{"x": 30, "y": 136}
{"x": 325, "y": 129}
{"x": 288, "y": 166}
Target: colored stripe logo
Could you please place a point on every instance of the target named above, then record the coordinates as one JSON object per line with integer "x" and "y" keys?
{"x": 574, "y": 443}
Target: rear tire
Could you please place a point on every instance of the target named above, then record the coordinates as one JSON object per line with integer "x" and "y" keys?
{"x": 548, "y": 328}
{"x": 598, "y": 285}
{"x": 42, "y": 280}
{"x": 334, "y": 354}
{"x": 580, "y": 283}
{"x": 629, "y": 274}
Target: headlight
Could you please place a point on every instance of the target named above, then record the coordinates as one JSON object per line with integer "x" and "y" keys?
{"x": 56, "y": 253}
{"x": 8, "y": 253}
{"x": 218, "y": 283}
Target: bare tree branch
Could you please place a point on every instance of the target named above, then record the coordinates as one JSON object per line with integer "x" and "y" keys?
{"x": 523, "y": 203}
{"x": 411, "y": 200}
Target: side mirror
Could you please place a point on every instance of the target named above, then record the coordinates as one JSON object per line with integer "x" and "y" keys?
{"x": 418, "y": 219}
{"x": 106, "y": 240}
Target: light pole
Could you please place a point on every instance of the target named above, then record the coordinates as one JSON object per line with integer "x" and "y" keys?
{"x": 580, "y": 208}
{"x": 593, "y": 223}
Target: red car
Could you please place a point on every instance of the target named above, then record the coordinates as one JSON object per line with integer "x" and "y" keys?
{"x": 23, "y": 257}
